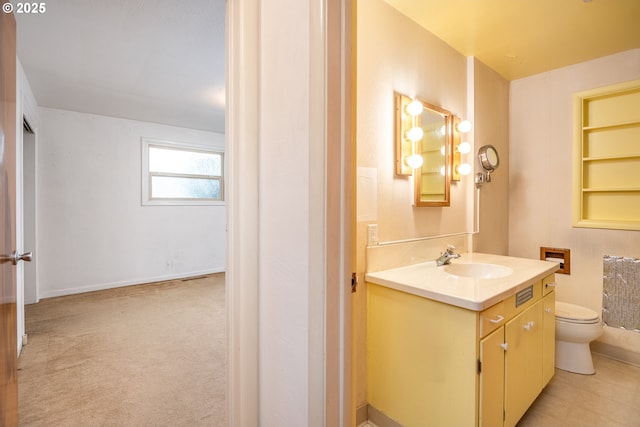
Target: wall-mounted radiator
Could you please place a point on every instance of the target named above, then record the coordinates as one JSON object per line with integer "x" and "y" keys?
{"x": 621, "y": 292}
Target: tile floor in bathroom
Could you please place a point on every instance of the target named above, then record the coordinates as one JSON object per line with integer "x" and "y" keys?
{"x": 610, "y": 398}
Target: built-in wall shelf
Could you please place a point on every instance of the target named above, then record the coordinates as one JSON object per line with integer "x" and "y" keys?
{"x": 607, "y": 157}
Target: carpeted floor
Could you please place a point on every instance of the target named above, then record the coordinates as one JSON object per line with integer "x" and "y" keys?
{"x": 147, "y": 355}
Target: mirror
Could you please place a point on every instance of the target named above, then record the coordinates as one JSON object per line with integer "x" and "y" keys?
{"x": 489, "y": 160}
{"x": 428, "y": 156}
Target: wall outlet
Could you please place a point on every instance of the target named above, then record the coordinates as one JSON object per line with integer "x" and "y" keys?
{"x": 372, "y": 234}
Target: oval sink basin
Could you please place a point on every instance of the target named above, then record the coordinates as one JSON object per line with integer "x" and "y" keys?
{"x": 478, "y": 270}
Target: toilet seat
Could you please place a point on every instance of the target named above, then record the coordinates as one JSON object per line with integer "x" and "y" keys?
{"x": 572, "y": 313}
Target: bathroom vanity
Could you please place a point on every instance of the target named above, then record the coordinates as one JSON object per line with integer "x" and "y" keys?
{"x": 466, "y": 344}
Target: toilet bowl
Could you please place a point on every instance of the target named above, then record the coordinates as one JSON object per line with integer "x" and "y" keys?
{"x": 576, "y": 327}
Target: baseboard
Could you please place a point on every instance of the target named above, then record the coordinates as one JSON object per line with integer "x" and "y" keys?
{"x": 380, "y": 419}
{"x": 111, "y": 285}
{"x": 616, "y": 353}
{"x": 361, "y": 414}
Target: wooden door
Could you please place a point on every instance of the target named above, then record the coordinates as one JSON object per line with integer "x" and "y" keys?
{"x": 8, "y": 330}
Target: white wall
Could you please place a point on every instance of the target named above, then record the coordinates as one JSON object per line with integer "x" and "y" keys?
{"x": 541, "y": 141}
{"x": 93, "y": 232}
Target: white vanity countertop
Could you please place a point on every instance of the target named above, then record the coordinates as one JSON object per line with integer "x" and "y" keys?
{"x": 429, "y": 281}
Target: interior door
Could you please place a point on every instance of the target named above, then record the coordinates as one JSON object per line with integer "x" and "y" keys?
{"x": 8, "y": 330}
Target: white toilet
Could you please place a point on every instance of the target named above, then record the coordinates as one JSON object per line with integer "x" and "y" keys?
{"x": 576, "y": 327}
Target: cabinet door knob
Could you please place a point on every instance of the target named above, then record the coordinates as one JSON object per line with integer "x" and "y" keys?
{"x": 504, "y": 346}
{"x": 529, "y": 325}
{"x": 547, "y": 310}
{"x": 498, "y": 319}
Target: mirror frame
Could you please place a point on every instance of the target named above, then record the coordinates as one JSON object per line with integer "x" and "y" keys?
{"x": 484, "y": 156}
{"x": 448, "y": 161}
{"x": 403, "y": 149}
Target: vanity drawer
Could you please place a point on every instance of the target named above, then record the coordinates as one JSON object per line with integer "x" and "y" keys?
{"x": 548, "y": 284}
{"x": 492, "y": 318}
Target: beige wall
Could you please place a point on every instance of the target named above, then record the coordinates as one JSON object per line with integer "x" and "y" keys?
{"x": 541, "y": 141}
{"x": 395, "y": 54}
{"x": 491, "y": 120}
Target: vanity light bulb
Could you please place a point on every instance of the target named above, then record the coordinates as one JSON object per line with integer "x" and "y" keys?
{"x": 464, "y": 169}
{"x": 464, "y": 126}
{"x": 442, "y": 150}
{"x": 414, "y": 108}
{"x": 442, "y": 171}
{"x": 415, "y": 133}
{"x": 464, "y": 147}
{"x": 414, "y": 161}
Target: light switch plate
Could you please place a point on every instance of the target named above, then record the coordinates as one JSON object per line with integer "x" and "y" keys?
{"x": 372, "y": 234}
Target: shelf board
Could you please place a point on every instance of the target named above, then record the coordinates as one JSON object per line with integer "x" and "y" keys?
{"x": 608, "y": 224}
{"x": 611, "y": 190}
{"x": 611, "y": 126}
{"x": 618, "y": 157}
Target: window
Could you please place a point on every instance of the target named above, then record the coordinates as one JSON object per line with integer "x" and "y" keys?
{"x": 180, "y": 174}
{"x": 607, "y": 157}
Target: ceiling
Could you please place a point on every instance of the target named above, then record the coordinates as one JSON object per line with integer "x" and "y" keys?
{"x": 163, "y": 61}
{"x": 160, "y": 61}
{"x": 519, "y": 38}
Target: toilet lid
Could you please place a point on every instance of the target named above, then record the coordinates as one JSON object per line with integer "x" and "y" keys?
{"x": 575, "y": 313}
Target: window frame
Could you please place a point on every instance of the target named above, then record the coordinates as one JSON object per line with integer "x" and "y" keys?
{"x": 146, "y": 175}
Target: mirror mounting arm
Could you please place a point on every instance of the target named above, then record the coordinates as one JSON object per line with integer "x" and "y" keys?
{"x": 481, "y": 178}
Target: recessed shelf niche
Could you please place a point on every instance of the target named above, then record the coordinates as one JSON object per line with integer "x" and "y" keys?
{"x": 607, "y": 157}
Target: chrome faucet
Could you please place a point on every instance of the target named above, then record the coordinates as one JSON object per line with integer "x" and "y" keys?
{"x": 446, "y": 256}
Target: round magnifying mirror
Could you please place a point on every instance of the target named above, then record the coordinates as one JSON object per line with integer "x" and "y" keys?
{"x": 488, "y": 156}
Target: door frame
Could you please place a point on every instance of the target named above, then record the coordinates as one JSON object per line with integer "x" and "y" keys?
{"x": 328, "y": 367}
{"x": 25, "y": 109}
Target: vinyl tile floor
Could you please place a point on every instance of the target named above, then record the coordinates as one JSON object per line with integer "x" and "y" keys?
{"x": 609, "y": 398}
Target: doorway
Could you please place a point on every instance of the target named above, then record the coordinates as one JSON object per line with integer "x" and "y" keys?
{"x": 29, "y": 279}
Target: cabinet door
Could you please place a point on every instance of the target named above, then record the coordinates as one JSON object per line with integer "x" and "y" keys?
{"x": 548, "y": 337}
{"x": 523, "y": 362}
{"x": 492, "y": 379}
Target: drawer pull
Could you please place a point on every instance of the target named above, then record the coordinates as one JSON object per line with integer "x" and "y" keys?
{"x": 497, "y": 319}
{"x": 547, "y": 310}
{"x": 551, "y": 284}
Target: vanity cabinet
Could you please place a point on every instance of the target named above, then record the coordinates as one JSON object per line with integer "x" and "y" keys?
{"x": 432, "y": 363}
